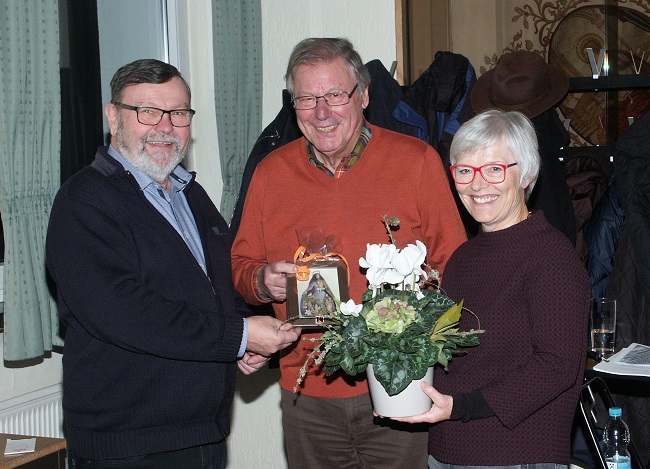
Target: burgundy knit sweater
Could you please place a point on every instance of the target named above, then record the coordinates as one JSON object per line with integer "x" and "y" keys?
{"x": 531, "y": 294}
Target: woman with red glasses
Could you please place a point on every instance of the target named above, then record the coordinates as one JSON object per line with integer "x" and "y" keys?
{"x": 510, "y": 402}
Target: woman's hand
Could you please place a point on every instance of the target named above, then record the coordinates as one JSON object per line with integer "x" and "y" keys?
{"x": 440, "y": 409}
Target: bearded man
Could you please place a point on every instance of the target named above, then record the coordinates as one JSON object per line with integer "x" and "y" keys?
{"x": 141, "y": 259}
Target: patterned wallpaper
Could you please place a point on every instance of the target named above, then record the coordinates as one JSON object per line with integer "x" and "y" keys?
{"x": 561, "y": 31}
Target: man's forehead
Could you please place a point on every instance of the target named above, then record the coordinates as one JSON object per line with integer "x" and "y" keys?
{"x": 173, "y": 89}
{"x": 329, "y": 74}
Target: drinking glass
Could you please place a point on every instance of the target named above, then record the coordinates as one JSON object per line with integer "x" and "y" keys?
{"x": 602, "y": 321}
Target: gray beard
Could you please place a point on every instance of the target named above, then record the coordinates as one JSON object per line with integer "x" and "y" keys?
{"x": 146, "y": 162}
{"x": 159, "y": 173}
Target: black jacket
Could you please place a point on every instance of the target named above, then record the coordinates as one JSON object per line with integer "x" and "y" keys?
{"x": 630, "y": 280}
{"x": 282, "y": 130}
{"x": 440, "y": 96}
{"x": 551, "y": 192}
{"x": 151, "y": 341}
{"x": 602, "y": 234}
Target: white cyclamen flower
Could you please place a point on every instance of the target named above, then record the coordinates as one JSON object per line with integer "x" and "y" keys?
{"x": 378, "y": 262}
{"x": 408, "y": 261}
{"x": 349, "y": 308}
{"x": 378, "y": 256}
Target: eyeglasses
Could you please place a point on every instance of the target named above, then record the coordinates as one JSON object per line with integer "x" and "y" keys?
{"x": 335, "y": 98}
{"x": 493, "y": 173}
{"x": 152, "y": 115}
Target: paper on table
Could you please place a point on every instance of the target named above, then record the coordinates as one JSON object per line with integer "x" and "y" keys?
{"x": 633, "y": 360}
{"x": 23, "y": 445}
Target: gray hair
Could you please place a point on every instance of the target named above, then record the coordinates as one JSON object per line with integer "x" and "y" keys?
{"x": 144, "y": 71}
{"x": 317, "y": 50}
{"x": 491, "y": 127}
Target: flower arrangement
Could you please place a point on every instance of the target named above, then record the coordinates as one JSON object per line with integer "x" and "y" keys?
{"x": 404, "y": 325}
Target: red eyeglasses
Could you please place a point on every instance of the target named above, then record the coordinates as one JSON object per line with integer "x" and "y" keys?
{"x": 493, "y": 173}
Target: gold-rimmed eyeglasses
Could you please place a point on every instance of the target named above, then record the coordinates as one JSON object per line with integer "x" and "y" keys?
{"x": 335, "y": 98}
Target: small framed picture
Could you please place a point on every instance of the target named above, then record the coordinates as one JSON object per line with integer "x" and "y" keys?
{"x": 311, "y": 301}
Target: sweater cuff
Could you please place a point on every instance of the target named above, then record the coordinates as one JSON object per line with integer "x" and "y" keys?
{"x": 244, "y": 340}
{"x": 259, "y": 288}
{"x": 470, "y": 406}
{"x": 231, "y": 337}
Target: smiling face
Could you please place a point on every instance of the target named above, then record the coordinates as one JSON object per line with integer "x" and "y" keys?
{"x": 154, "y": 149}
{"x": 332, "y": 130}
{"x": 494, "y": 206}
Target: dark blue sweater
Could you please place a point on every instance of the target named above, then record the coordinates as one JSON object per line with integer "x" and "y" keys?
{"x": 150, "y": 341}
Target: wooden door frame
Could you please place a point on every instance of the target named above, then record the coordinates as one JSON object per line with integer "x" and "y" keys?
{"x": 432, "y": 35}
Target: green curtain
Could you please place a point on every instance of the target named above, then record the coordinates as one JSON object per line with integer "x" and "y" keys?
{"x": 237, "y": 37}
{"x": 30, "y": 123}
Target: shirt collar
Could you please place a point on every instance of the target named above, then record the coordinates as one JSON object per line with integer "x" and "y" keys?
{"x": 356, "y": 152}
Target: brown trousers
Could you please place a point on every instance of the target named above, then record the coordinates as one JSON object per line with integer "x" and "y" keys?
{"x": 324, "y": 433}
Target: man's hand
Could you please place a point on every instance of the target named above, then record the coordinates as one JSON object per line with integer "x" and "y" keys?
{"x": 251, "y": 362}
{"x": 274, "y": 278}
{"x": 267, "y": 335}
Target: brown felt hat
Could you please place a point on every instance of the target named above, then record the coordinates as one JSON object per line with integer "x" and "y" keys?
{"x": 521, "y": 81}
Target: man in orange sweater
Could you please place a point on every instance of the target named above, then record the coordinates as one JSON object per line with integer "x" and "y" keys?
{"x": 340, "y": 178}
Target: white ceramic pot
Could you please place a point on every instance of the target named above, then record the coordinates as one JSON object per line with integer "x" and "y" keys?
{"x": 411, "y": 401}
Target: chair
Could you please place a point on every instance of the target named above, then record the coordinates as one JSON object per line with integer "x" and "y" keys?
{"x": 595, "y": 400}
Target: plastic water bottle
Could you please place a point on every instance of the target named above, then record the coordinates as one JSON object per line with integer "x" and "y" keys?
{"x": 617, "y": 437}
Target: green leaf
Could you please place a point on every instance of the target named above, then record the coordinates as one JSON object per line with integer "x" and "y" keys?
{"x": 396, "y": 371}
{"x": 367, "y": 296}
{"x": 448, "y": 319}
{"x": 443, "y": 356}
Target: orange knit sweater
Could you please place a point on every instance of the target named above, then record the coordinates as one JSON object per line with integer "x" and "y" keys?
{"x": 396, "y": 175}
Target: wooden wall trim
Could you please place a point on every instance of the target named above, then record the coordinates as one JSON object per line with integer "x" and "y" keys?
{"x": 401, "y": 40}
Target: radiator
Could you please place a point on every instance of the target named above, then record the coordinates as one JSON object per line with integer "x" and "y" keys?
{"x": 38, "y": 413}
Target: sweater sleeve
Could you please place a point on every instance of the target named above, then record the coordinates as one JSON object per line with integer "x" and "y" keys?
{"x": 470, "y": 406}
